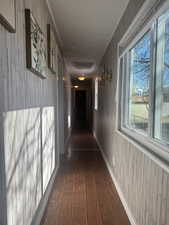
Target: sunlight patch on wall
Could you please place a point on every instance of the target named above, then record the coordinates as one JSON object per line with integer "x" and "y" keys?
{"x": 48, "y": 143}
{"x": 23, "y": 166}
{"x": 29, "y": 139}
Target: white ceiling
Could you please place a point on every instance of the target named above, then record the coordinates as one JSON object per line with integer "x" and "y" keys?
{"x": 86, "y": 28}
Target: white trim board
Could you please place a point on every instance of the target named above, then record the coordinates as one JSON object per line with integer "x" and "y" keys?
{"x": 44, "y": 201}
{"x": 122, "y": 198}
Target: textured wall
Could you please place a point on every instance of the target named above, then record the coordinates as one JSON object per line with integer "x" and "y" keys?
{"x": 144, "y": 184}
{"x": 23, "y": 89}
{"x": 22, "y": 95}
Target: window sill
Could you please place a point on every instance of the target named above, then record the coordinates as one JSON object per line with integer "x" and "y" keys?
{"x": 155, "y": 151}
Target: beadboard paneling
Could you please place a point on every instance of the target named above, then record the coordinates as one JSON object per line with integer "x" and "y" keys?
{"x": 22, "y": 95}
{"x": 22, "y": 88}
{"x": 144, "y": 184}
{"x": 3, "y": 200}
{"x": 23, "y": 164}
{"x": 29, "y": 142}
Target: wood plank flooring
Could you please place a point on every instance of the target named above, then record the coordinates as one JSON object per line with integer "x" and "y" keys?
{"x": 84, "y": 193}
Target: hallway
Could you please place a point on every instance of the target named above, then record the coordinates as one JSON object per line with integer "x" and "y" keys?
{"x": 83, "y": 193}
{"x": 84, "y": 112}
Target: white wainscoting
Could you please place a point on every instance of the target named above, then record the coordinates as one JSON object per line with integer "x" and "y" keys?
{"x": 48, "y": 144}
{"x": 29, "y": 142}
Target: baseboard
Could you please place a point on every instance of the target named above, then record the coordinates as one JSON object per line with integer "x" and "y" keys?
{"x": 122, "y": 198}
{"x": 66, "y": 144}
{"x": 44, "y": 202}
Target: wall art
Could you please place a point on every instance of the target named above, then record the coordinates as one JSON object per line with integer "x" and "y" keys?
{"x": 36, "y": 46}
{"x": 52, "y": 51}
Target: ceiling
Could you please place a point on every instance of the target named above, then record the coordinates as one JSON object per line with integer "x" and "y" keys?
{"x": 86, "y": 28}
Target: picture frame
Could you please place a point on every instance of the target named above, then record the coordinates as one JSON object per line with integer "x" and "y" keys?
{"x": 8, "y": 15}
{"x": 51, "y": 45}
{"x": 36, "y": 46}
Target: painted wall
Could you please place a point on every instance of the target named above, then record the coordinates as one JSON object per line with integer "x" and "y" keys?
{"x": 28, "y": 114}
{"x": 143, "y": 183}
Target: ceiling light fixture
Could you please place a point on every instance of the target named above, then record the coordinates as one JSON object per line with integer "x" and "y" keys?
{"x": 76, "y": 87}
{"x": 82, "y": 78}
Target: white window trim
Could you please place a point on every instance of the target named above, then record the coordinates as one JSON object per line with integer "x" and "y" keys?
{"x": 156, "y": 150}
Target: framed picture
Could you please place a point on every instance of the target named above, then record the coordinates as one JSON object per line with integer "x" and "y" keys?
{"x": 51, "y": 49}
{"x": 7, "y": 15}
{"x": 36, "y": 46}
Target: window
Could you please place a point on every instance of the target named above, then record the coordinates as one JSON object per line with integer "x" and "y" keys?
{"x": 96, "y": 94}
{"x": 144, "y": 68}
{"x": 162, "y": 80}
{"x": 139, "y": 84}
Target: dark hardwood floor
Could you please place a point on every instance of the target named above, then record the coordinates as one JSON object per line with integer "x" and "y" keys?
{"x": 82, "y": 140}
{"x": 84, "y": 193}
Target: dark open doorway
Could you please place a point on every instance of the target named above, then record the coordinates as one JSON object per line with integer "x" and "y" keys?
{"x": 81, "y": 108}
{"x": 82, "y": 105}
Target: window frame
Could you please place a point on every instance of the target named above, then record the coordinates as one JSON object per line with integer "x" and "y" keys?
{"x": 150, "y": 116}
{"x": 154, "y": 146}
{"x": 126, "y": 76}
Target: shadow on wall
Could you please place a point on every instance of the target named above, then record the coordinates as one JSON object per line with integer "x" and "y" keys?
{"x": 29, "y": 139}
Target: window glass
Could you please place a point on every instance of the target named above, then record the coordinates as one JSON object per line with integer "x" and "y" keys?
{"x": 139, "y": 84}
{"x": 162, "y": 80}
